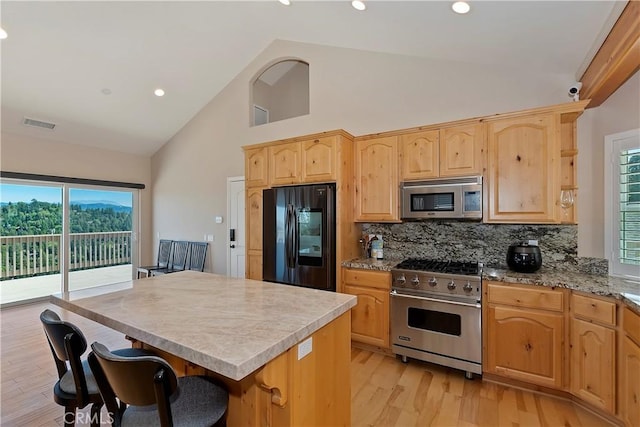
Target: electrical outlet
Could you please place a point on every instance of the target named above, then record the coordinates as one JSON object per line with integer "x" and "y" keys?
{"x": 305, "y": 347}
{"x": 210, "y": 238}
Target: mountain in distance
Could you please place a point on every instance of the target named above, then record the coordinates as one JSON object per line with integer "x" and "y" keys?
{"x": 101, "y": 204}
{"x": 93, "y": 204}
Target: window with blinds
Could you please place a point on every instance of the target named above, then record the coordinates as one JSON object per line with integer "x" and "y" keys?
{"x": 629, "y": 210}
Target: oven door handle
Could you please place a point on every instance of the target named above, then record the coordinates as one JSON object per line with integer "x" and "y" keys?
{"x": 396, "y": 294}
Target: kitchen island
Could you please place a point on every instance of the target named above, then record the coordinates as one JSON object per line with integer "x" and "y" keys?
{"x": 282, "y": 351}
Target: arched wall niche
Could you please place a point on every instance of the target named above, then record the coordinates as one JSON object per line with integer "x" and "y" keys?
{"x": 279, "y": 91}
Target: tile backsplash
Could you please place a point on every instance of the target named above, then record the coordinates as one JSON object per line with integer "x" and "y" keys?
{"x": 488, "y": 243}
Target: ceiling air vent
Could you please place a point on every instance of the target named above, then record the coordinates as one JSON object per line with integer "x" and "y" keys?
{"x": 38, "y": 123}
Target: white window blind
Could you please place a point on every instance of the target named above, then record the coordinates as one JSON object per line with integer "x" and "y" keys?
{"x": 629, "y": 224}
{"x": 622, "y": 203}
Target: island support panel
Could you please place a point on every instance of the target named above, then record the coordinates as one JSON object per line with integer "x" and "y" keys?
{"x": 290, "y": 390}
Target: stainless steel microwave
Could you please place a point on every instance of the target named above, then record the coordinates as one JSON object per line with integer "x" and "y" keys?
{"x": 442, "y": 198}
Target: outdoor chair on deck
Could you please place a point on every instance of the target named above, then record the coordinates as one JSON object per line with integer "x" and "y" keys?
{"x": 76, "y": 386}
{"x": 164, "y": 254}
{"x": 197, "y": 255}
{"x": 150, "y": 394}
{"x": 178, "y": 259}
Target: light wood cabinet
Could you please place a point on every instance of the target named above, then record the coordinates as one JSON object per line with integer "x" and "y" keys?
{"x": 592, "y": 363}
{"x": 522, "y": 184}
{"x": 376, "y": 177}
{"x": 302, "y": 162}
{"x": 568, "y": 165}
{"x": 629, "y": 370}
{"x": 592, "y": 350}
{"x": 319, "y": 160}
{"x": 419, "y": 154}
{"x": 322, "y": 157}
{"x": 531, "y": 157}
{"x": 256, "y": 167}
{"x": 521, "y": 343}
{"x": 284, "y": 164}
{"x": 448, "y": 152}
{"x": 253, "y": 223}
{"x": 370, "y": 317}
{"x": 462, "y": 150}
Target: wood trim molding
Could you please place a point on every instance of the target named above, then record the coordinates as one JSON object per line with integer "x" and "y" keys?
{"x": 617, "y": 59}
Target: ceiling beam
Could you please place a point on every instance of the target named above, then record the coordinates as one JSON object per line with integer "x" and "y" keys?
{"x": 617, "y": 59}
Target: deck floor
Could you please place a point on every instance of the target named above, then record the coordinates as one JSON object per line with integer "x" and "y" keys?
{"x": 15, "y": 290}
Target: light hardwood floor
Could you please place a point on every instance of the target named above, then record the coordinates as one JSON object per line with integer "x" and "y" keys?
{"x": 385, "y": 391}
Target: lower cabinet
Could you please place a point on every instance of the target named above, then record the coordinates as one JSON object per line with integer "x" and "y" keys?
{"x": 370, "y": 317}
{"x": 629, "y": 370}
{"x": 593, "y": 363}
{"x": 593, "y": 350}
{"x": 525, "y": 345}
{"x": 524, "y": 333}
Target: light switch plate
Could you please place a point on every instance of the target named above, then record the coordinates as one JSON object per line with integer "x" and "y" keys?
{"x": 218, "y": 220}
{"x": 305, "y": 347}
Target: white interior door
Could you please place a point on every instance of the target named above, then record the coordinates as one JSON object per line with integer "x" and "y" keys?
{"x": 235, "y": 227}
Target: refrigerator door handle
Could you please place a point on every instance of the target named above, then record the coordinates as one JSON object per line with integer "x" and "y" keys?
{"x": 289, "y": 236}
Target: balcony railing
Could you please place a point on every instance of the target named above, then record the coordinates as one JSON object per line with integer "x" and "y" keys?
{"x": 24, "y": 256}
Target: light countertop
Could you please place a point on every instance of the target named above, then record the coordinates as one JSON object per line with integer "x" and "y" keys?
{"x": 229, "y": 326}
{"x": 627, "y": 291}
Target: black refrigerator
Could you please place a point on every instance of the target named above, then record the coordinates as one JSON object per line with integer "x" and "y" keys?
{"x": 299, "y": 236}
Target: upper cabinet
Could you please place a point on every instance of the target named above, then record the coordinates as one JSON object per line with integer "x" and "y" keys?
{"x": 319, "y": 158}
{"x": 522, "y": 182}
{"x": 304, "y": 162}
{"x": 284, "y": 166}
{"x": 530, "y": 159}
{"x": 419, "y": 155}
{"x": 256, "y": 167}
{"x": 462, "y": 150}
{"x": 448, "y": 152}
{"x": 376, "y": 174}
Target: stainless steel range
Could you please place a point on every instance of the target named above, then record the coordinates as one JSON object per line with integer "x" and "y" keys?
{"x": 436, "y": 314}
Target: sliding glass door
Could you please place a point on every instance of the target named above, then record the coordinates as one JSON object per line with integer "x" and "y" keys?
{"x": 100, "y": 240}
{"x": 64, "y": 237}
{"x": 30, "y": 241}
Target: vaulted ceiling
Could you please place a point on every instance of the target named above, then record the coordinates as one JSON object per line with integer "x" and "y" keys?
{"x": 91, "y": 67}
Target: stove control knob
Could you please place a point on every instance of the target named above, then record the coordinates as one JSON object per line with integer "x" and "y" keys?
{"x": 415, "y": 281}
{"x": 467, "y": 288}
{"x": 433, "y": 281}
{"x": 400, "y": 280}
{"x": 451, "y": 285}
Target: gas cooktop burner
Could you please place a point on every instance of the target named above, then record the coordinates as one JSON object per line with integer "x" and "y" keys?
{"x": 436, "y": 266}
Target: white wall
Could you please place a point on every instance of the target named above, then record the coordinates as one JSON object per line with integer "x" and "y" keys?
{"x": 45, "y": 157}
{"x": 361, "y": 92}
{"x": 619, "y": 113}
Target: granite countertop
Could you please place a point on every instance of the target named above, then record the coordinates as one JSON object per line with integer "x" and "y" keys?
{"x": 229, "y": 326}
{"x": 625, "y": 290}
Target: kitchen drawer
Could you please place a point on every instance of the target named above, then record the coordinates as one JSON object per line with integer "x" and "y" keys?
{"x": 525, "y": 296}
{"x": 631, "y": 325}
{"x": 368, "y": 278}
{"x": 594, "y": 309}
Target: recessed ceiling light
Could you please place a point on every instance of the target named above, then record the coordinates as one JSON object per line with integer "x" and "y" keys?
{"x": 159, "y": 92}
{"x": 358, "y": 4}
{"x": 3, "y": 34}
{"x": 461, "y": 7}
{"x": 285, "y": 2}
